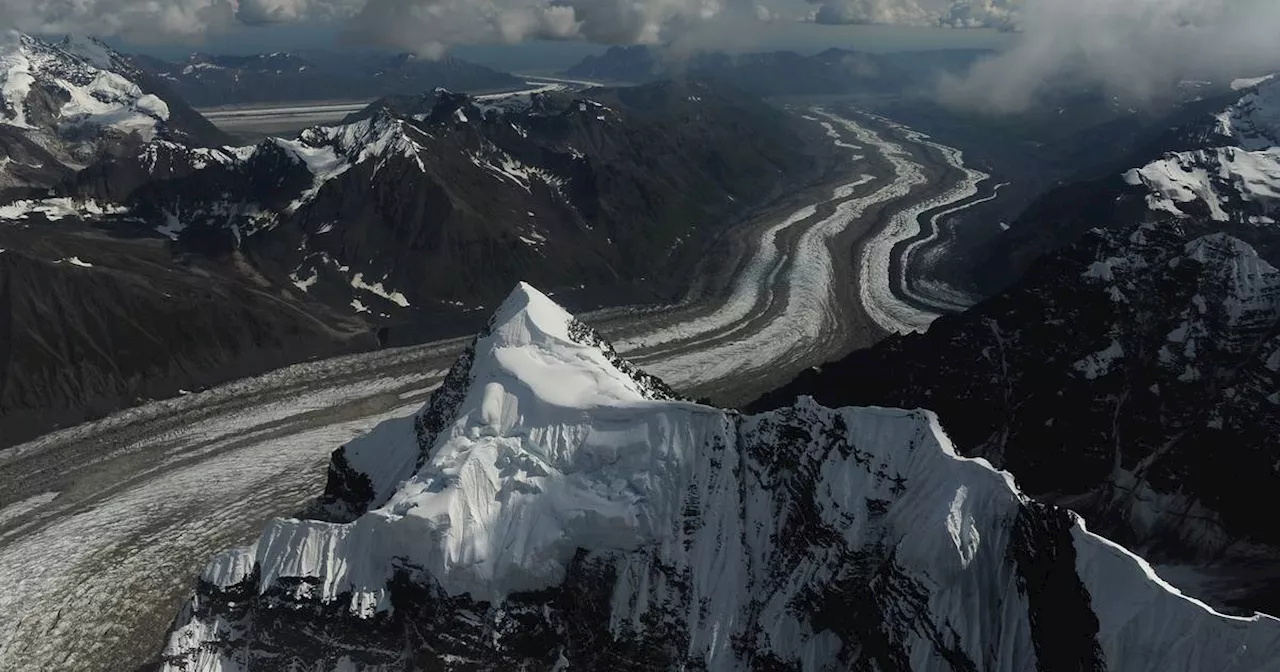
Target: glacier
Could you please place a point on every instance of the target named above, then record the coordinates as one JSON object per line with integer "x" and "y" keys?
{"x": 553, "y": 507}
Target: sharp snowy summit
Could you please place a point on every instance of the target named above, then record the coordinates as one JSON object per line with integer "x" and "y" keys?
{"x": 553, "y": 507}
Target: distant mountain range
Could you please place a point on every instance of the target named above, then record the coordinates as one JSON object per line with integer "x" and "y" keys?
{"x": 782, "y": 73}
{"x": 420, "y": 210}
{"x": 207, "y": 81}
{"x": 1132, "y": 375}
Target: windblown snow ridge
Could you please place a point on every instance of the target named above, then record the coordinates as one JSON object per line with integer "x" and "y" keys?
{"x": 570, "y": 513}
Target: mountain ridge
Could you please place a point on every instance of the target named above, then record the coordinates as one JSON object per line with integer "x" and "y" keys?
{"x": 388, "y": 228}
{"x": 577, "y": 522}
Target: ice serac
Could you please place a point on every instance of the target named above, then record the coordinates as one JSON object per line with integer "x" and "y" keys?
{"x": 571, "y": 512}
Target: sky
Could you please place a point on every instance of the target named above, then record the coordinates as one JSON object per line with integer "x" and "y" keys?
{"x": 1137, "y": 50}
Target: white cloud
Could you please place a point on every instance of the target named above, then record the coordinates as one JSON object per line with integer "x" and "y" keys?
{"x": 138, "y": 20}
{"x": 1136, "y": 50}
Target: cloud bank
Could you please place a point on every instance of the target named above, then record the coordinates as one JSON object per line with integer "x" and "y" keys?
{"x": 430, "y": 26}
{"x": 425, "y": 26}
{"x": 1135, "y": 49}
{"x": 947, "y": 13}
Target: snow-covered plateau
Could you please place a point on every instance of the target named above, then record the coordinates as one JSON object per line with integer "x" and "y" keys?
{"x": 553, "y": 507}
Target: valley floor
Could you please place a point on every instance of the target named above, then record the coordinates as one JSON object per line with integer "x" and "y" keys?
{"x": 104, "y": 527}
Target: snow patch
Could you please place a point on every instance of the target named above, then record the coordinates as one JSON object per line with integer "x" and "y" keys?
{"x": 15, "y": 69}
{"x": 59, "y": 208}
{"x": 1249, "y": 83}
{"x": 357, "y": 281}
{"x": 1231, "y": 183}
{"x": 305, "y": 284}
{"x": 1099, "y": 363}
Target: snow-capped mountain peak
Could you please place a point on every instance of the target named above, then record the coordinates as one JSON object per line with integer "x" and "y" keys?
{"x": 79, "y": 72}
{"x": 66, "y": 105}
{"x": 553, "y": 507}
{"x": 509, "y": 503}
{"x": 581, "y": 375}
{"x": 1234, "y": 180}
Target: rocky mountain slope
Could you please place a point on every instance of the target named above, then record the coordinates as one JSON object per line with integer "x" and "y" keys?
{"x": 209, "y": 80}
{"x": 554, "y": 508}
{"x": 401, "y": 223}
{"x": 1132, "y": 376}
{"x": 90, "y": 323}
{"x": 65, "y": 105}
{"x": 1212, "y": 162}
{"x": 435, "y": 202}
{"x": 97, "y": 312}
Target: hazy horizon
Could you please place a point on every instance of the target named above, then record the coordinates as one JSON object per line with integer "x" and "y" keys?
{"x": 543, "y": 55}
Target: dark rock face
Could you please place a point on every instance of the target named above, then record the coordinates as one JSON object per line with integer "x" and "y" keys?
{"x": 619, "y": 64}
{"x": 26, "y": 164}
{"x": 1064, "y": 628}
{"x": 207, "y": 80}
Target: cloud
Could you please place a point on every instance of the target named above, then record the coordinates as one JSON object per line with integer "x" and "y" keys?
{"x": 137, "y": 20}
{"x": 903, "y": 12}
{"x": 255, "y": 12}
{"x": 430, "y": 25}
{"x": 982, "y": 14}
{"x": 947, "y": 13}
{"x": 1135, "y": 50}
{"x": 425, "y": 26}
{"x": 890, "y": 12}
